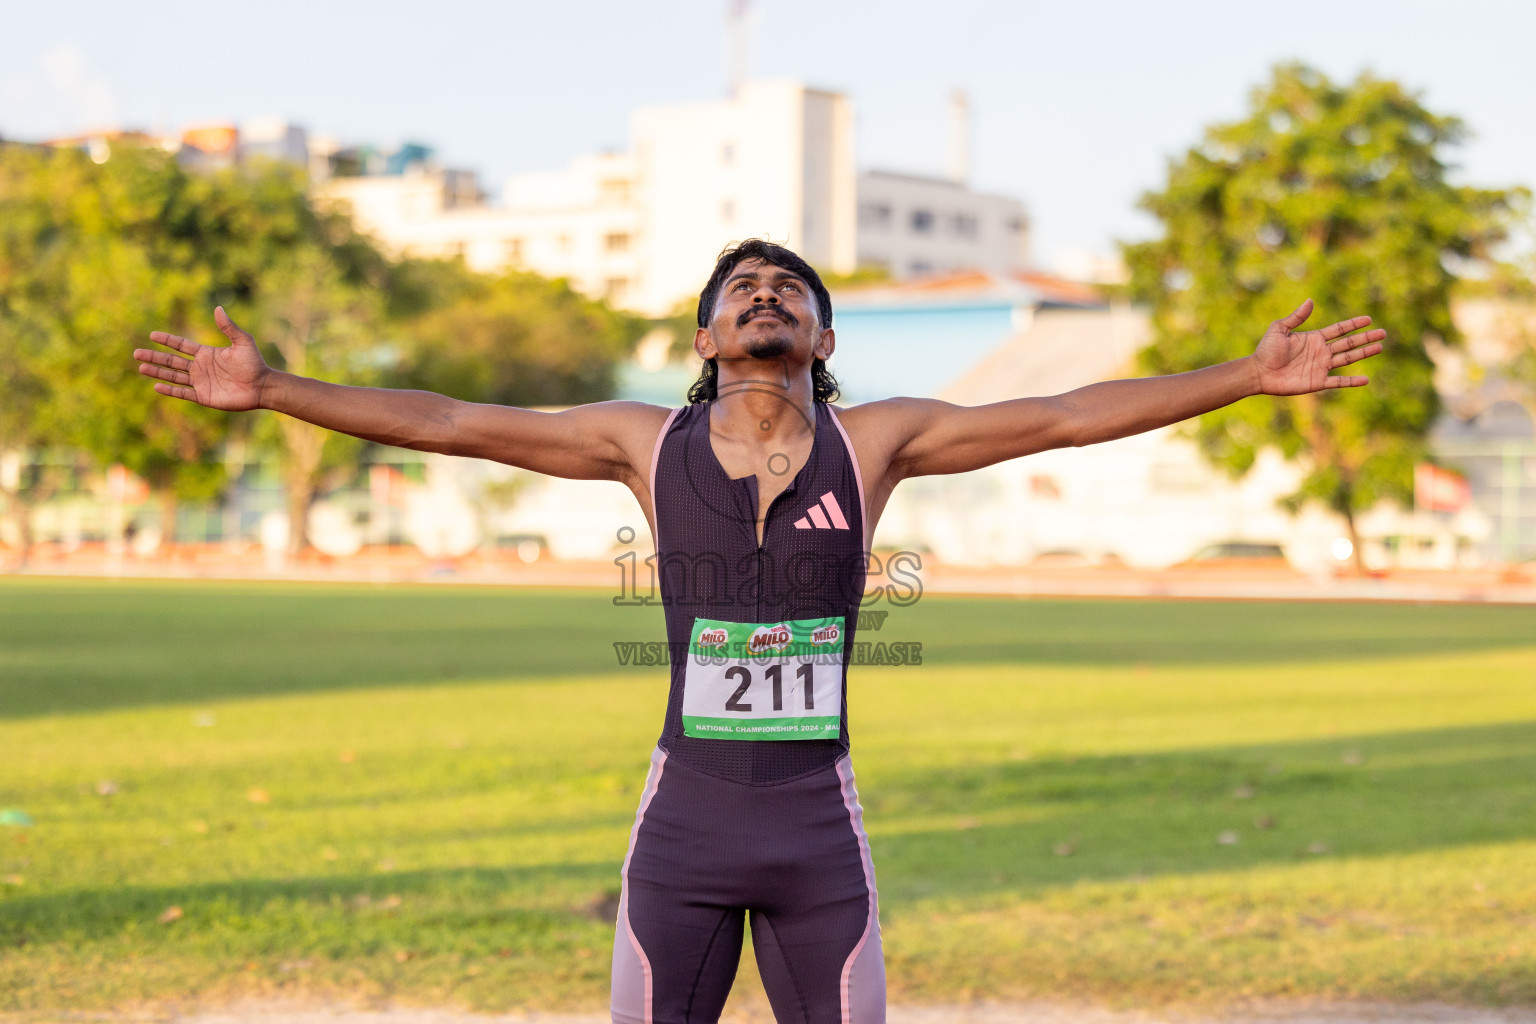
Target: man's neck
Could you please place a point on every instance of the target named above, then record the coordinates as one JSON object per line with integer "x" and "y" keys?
{"x": 754, "y": 407}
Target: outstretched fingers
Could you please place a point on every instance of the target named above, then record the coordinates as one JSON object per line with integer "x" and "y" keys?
{"x": 1333, "y": 331}
{"x": 174, "y": 341}
{"x": 149, "y": 355}
{"x": 1333, "y": 382}
{"x": 185, "y": 394}
{"x": 1350, "y": 341}
{"x": 1353, "y": 355}
{"x": 165, "y": 373}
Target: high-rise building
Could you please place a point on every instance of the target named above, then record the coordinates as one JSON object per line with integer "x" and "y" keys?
{"x": 774, "y": 160}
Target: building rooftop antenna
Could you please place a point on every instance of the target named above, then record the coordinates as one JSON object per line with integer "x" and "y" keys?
{"x": 738, "y": 13}
{"x": 957, "y": 164}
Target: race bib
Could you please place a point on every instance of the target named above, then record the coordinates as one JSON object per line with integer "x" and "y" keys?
{"x": 764, "y": 681}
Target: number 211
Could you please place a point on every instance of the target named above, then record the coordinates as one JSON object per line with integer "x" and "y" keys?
{"x": 775, "y": 674}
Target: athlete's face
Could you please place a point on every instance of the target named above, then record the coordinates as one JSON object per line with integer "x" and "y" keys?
{"x": 765, "y": 312}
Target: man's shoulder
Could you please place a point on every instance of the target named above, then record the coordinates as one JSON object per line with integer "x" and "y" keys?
{"x": 887, "y": 414}
{"x": 629, "y": 416}
{"x": 633, "y": 427}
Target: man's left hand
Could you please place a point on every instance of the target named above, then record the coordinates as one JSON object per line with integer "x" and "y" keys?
{"x": 1292, "y": 362}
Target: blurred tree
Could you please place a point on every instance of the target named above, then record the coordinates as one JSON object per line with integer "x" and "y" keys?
{"x": 321, "y": 324}
{"x": 93, "y": 253}
{"x": 515, "y": 339}
{"x": 25, "y": 390}
{"x": 311, "y": 290}
{"x": 681, "y": 324}
{"x": 1337, "y": 193}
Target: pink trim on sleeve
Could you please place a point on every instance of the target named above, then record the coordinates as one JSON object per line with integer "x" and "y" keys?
{"x": 858, "y": 477}
{"x": 655, "y": 458}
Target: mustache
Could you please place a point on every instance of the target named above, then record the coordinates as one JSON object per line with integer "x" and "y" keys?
{"x": 781, "y": 314}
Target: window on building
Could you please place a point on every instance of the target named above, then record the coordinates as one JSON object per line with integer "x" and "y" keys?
{"x": 514, "y": 251}
{"x": 458, "y": 249}
{"x": 963, "y": 225}
{"x": 616, "y": 241}
{"x": 616, "y": 289}
{"x": 922, "y": 221}
{"x": 918, "y": 268}
{"x": 615, "y": 190}
{"x": 875, "y": 215}
{"x": 1016, "y": 224}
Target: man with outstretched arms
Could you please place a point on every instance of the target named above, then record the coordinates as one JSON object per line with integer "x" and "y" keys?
{"x": 762, "y": 498}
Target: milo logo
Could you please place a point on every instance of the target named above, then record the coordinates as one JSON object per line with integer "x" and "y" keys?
{"x": 712, "y": 638}
{"x": 826, "y": 635}
{"x": 766, "y": 639}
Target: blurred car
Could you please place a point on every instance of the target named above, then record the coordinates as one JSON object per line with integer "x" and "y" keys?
{"x": 1072, "y": 558}
{"x": 1237, "y": 554}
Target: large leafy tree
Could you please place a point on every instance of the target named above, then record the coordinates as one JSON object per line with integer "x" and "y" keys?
{"x": 90, "y": 251}
{"x": 1338, "y": 193}
{"x": 92, "y": 254}
{"x": 313, "y": 292}
{"x": 25, "y": 390}
{"x": 513, "y": 339}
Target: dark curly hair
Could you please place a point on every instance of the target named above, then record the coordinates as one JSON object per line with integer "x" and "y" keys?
{"x": 823, "y": 384}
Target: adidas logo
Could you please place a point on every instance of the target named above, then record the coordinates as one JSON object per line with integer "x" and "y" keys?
{"x": 815, "y": 518}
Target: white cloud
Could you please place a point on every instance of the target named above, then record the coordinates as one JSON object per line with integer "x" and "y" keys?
{"x": 59, "y": 95}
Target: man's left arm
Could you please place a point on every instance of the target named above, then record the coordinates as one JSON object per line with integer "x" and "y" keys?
{"x": 926, "y": 436}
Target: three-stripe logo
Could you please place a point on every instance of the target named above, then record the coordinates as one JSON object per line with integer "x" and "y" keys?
{"x": 817, "y": 519}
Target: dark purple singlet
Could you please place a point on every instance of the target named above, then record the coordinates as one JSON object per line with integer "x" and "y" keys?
{"x": 732, "y": 825}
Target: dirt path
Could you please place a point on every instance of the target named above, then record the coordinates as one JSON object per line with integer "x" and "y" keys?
{"x": 267, "y": 1012}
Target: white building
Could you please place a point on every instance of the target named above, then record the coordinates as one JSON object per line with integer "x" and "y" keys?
{"x": 580, "y": 224}
{"x": 915, "y": 226}
{"x": 642, "y": 229}
{"x": 775, "y": 161}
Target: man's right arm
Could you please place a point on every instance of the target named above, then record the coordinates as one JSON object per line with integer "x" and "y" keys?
{"x": 601, "y": 441}
{"x": 585, "y": 442}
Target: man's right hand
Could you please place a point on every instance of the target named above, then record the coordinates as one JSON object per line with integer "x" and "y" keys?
{"x": 228, "y": 378}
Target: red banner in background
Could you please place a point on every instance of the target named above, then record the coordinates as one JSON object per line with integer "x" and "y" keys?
{"x": 1436, "y": 489}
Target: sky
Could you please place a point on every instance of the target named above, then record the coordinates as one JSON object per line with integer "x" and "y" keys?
{"x": 1076, "y": 106}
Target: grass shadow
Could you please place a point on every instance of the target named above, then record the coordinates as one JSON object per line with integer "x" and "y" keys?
{"x": 1020, "y": 827}
{"x": 476, "y": 904}
{"x": 73, "y": 646}
{"x": 1111, "y": 632}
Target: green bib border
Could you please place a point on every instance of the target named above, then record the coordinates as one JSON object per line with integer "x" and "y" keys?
{"x": 735, "y": 644}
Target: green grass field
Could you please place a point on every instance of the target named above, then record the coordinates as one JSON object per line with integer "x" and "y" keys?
{"x": 423, "y": 795}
